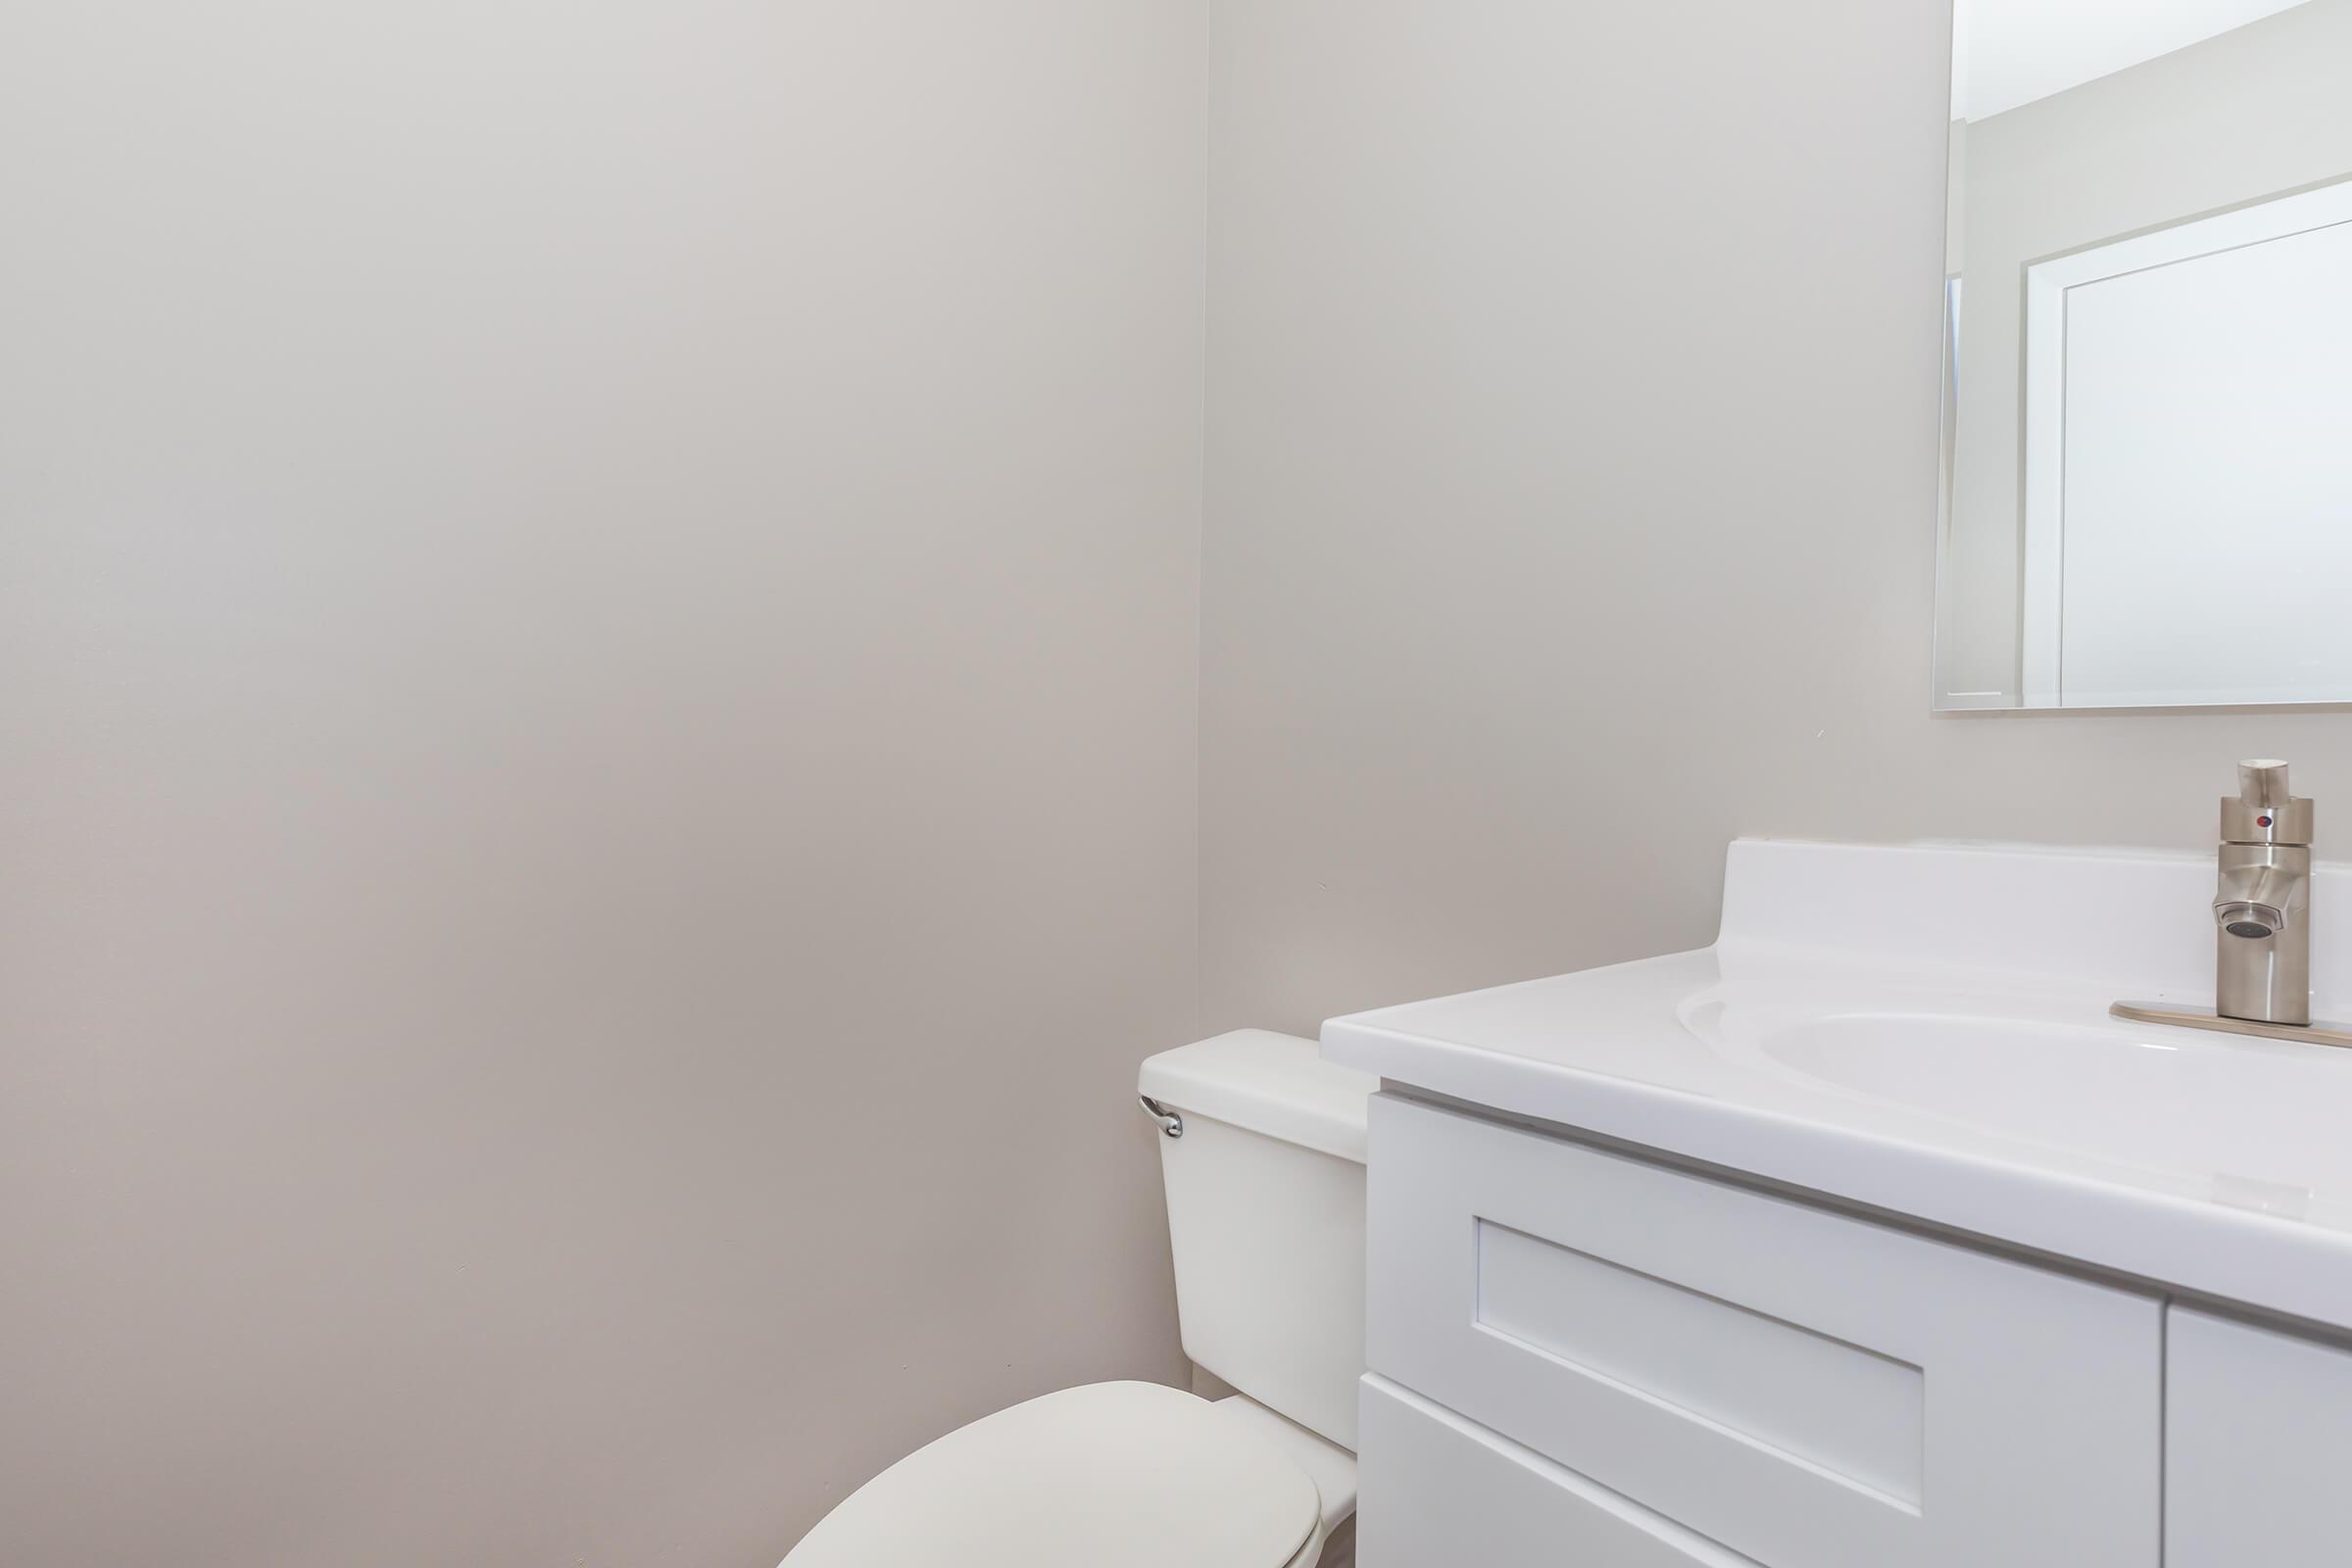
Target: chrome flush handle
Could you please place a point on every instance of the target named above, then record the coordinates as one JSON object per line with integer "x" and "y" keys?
{"x": 1169, "y": 1122}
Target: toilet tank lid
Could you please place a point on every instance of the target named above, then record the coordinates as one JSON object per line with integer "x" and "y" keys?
{"x": 1275, "y": 1084}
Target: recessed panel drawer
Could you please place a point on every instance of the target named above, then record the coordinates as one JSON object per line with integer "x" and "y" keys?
{"x": 1808, "y": 1389}
{"x": 1440, "y": 1492}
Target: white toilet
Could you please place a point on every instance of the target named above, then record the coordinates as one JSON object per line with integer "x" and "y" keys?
{"x": 1264, "y": 1167}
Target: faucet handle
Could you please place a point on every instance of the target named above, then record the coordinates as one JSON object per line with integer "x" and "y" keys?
{"x": 2262, "y": 781}
{"x": 2262, "y": 811}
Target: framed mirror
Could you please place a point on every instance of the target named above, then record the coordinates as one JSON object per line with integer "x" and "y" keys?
{"x": 2146, "y": 468}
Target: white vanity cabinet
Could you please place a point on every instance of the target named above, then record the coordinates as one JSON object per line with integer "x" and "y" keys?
{"x": 1714, "y": 1370}
{"x": 1868, "y": 1237}
{"x": 2258, "y": 1446}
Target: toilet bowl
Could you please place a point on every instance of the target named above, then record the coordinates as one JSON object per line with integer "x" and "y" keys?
{"x": 1262, "y": 1158}
{"x": 1108, "y": 1473}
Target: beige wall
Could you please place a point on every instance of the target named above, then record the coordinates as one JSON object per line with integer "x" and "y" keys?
{"x": 598, "y": 660}
{"x": 1572, "y": 486}
{"x": 597, "y": 680}
{"x": 2253, "y": 113}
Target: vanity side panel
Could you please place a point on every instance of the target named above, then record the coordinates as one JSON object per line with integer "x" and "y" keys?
{"x": 2258, "y": 1446}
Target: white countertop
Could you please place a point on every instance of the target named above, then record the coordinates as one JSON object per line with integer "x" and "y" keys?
{"x": 1925, "y": 1030}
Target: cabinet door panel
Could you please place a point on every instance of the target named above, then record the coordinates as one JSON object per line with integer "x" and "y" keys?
{"x": 2258, "y": 1439}
{"x": 1439, "y": 1489}
{"x": 1805, "y": 1388}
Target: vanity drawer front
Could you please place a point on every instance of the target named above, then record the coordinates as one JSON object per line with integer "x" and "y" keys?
{"x": 1439, "y": 1491}
{"x": 1809, "y": 1389}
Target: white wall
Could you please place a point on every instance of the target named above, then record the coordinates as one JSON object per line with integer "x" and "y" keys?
{"x": 1572, "y": 493}
{"x": 597, "y": 678}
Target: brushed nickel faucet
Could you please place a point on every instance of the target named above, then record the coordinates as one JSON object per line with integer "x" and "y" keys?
{"x": 2260, "y": 920}
{"x": 2262, "y": 904}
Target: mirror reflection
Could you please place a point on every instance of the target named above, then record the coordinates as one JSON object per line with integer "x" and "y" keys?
{"x": 2147, "y": 442}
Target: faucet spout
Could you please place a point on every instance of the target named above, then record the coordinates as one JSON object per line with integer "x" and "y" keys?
{"x": 2250, "y": 923}
{"x": 2260, "y": 900}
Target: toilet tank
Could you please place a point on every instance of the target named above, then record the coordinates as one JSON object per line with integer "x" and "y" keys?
{"x": 1266, "y": 1220}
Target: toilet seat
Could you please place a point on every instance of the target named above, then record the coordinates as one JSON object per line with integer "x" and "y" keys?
{"x": 1128, "y": 1473}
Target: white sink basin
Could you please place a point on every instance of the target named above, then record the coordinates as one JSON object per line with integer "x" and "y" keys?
{"x": 1879, "y": 1025}
{"x": 2272, "y": 1122}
